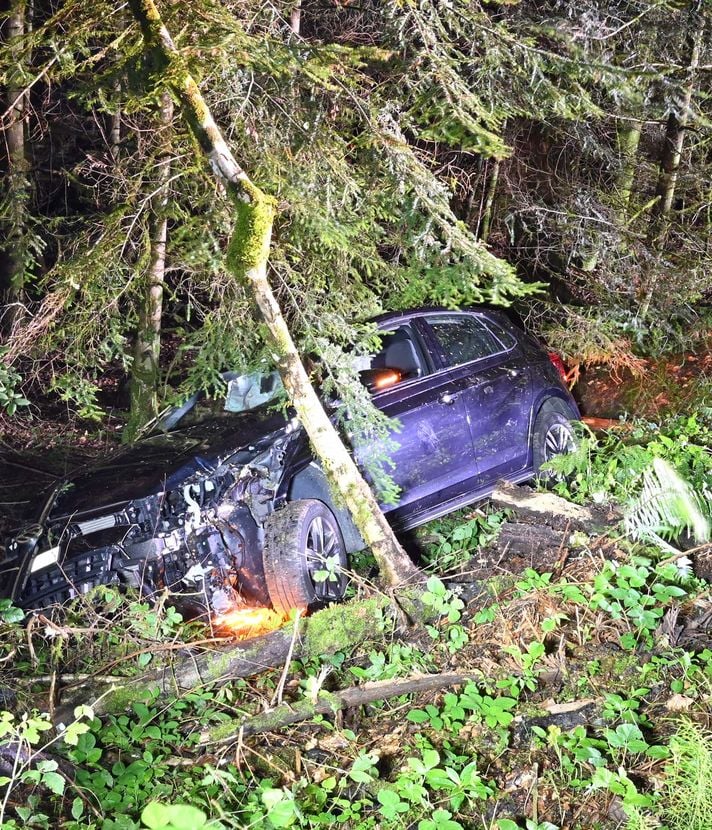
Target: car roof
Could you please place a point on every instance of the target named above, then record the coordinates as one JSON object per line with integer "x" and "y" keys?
{"x": 392, "y": 316}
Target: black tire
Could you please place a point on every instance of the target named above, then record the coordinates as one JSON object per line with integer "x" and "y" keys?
{"x": 552, "y": 435}
{"x": 302, "y": 539}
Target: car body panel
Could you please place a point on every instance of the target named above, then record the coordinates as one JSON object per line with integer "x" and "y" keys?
{"x": 432, "y": 440}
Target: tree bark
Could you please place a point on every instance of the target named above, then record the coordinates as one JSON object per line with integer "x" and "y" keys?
{"x": 544, "y": 508}
{"x": 295, "y": 18}
{"x": 488, "y": 209}
{"x": 329, "y": 703}
{"x": 247, "y": 258}
{"x": 147, "y": 347}
{"x": 12, "y": 263}
{"x": 628, "y": 140}
{"x": 677, "y": 123}
{"x": 337, "y": 628}
{"x": 115, "y": 127}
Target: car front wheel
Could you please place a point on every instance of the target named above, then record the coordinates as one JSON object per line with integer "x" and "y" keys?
{"x": 553, "y": 434}
{"x": 304, "y": 556}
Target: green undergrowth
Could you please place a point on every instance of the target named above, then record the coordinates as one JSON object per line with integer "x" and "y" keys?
{"x": 585, "y": 701}
{"x": 442, "y": 761}
{"x": 610, "y": 468}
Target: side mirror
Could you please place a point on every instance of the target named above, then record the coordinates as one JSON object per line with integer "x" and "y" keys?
{"x": 376, "y": 380}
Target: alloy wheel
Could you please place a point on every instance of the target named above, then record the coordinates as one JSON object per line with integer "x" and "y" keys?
{"x": 323, "y": 554}
{"x": 559, "y": 440}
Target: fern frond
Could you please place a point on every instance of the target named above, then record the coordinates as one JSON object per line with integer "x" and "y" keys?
{"x": 667, "y": 506}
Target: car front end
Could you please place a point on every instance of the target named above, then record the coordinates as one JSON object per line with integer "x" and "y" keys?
{"x": 195, "y": 532}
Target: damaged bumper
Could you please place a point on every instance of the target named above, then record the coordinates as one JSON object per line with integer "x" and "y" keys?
{"x": 200, "y": 541}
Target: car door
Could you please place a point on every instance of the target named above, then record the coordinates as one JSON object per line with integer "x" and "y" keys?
{"x": 488, "y": 372}
{"x": 432, "y": 447}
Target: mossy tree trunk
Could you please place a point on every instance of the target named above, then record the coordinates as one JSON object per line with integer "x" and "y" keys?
{"x": 147, "y": 346}
{"x": 628, "y": 141}
{"x": 12, "y": 258}
{"x": 247, "y": 258}
{"x": 675, "y": 127}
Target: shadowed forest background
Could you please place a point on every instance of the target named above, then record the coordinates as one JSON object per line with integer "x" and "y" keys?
{"x": 550, "y": 155}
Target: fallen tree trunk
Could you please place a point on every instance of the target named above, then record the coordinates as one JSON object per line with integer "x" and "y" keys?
{"x": 521, "y": 539}
{"x": 545, "y": 508}
{"x": 246, "y": 260}
{"x": 330, "y": 703}
{"x": 326, "y": 632}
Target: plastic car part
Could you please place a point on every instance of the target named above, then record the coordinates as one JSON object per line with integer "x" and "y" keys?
{"x": 304, "y": 556}
{"x": 559, "y": 365}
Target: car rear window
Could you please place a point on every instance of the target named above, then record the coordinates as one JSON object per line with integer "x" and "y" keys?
{"x": 462, "y": 338}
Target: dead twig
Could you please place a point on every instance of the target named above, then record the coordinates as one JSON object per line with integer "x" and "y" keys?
{"x": 332, "y": 702}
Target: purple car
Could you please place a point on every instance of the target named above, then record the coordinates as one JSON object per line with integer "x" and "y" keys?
{"x": 235, "y": 509}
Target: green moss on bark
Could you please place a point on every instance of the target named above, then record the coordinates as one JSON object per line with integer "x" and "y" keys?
{"x": 342, "y": 626}
{"x": 249, "y": 245}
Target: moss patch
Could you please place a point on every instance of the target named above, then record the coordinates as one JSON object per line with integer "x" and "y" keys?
{"x": 250, "y": 241}
{"x": 342, "y": 626}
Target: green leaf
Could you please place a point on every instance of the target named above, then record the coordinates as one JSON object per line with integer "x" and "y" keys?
{"x": 186, "y": 817}
{"x": 10, "y": 614}
{"x": 155, "y": 815}
{"x": 73, "y": 731}
{"x": 281, "y": 810}
{"x": 54, "y": 781}
{"x": 77, "y": 808}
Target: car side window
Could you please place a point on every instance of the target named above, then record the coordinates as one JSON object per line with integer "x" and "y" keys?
{"x": 462, "y": 338}
{"x": 399, "y": 350}
{"x": 505, "y": 337}
{"x": 400, "y": 358}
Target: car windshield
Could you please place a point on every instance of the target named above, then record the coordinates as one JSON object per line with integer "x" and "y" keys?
{"x": 244, "y": 392}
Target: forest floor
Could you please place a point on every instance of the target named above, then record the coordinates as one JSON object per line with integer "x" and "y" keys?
{"x": 564, "y": 679}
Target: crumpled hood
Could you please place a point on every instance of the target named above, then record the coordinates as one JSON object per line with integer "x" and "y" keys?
{"x": 163, "y": 461}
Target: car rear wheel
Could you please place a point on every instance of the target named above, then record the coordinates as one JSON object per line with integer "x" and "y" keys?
{"x": 304, "y": 556}
{"x": 553, "y": 434}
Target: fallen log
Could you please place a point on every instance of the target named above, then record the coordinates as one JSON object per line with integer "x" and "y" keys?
{"x": 545, "y": 508}
{"x": 335, "y": 628}
{"x": 520, "y": 539}
{"x": 329, "y": 703}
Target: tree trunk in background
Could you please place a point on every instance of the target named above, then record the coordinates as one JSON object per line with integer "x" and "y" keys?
{"x": 672, "y": 145}
{"x": 295, "y": 18}
{"x": 147, "y": 347}
{"x": 671, "y": 154}
{"x": 247, "y": 260}
{"x": 488, "y": 209}
{"x": 115, "y": 127}
{"x": 12, "y": 261}
{"x": 628, "y": 140}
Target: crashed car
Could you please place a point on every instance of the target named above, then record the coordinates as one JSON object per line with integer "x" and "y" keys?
{"x": 235, "y": 508}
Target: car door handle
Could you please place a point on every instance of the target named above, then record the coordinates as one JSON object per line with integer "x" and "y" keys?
{"x": 448, "y": 398}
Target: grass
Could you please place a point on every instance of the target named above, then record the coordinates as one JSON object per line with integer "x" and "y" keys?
{"x": 687, "y": 796}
